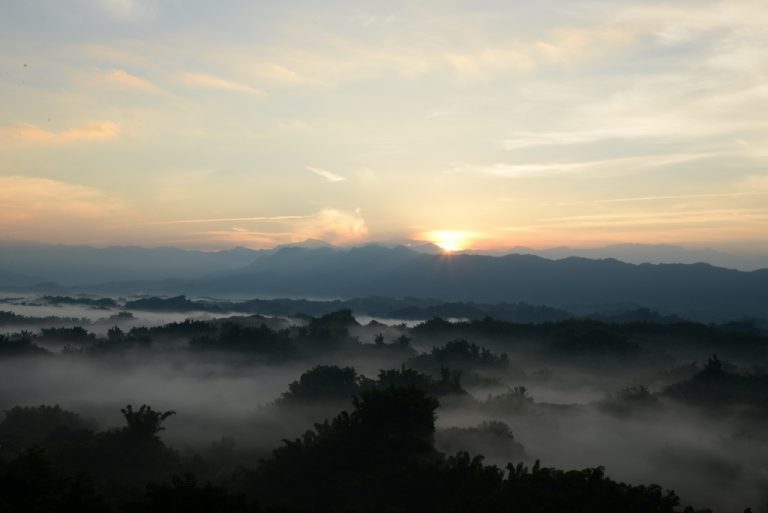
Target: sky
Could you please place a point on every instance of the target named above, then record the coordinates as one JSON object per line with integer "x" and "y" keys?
{"x": 475, "y": 124}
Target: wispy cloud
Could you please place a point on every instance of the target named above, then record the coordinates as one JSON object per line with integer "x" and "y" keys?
{"x": 682, "y": 218}
{"x": 649, "y": 226}
{"x": 665, "y": 198}
{"x": 31, "y": 133}
{"x": 370, "y": 20}
{"x": 563, "y": 46}
{"x": 274, "y": 72}
{"x": 328, "y": 175}
{"x": 125, "y": 10}
{"x": 213, "y": 82}
{"x": 335, "y": 226}
{"x": 245, "y": 237}
{"x": 612, "y": 166}
{"x": 29, "y": 204}
{"x": 521, "y": 140}
{"x": 678, "y": 126}
{"x": 330, "y": 225}
{"x": 227, "y": 220}
{"x": 123, "y": 79}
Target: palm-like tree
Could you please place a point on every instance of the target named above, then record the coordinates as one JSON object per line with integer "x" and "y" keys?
{"x": 145, "y": 422}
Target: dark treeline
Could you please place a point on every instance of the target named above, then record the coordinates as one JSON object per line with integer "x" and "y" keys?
{"x": 433, "y": 347}
{"x": 407, "y": 308}
{"x": 391, "y": 308}
{"x": 281, "y": 339}
{"x": 378, "y": 457}
{"x": 8, "y": 318}
{"x": 384, "y": 451}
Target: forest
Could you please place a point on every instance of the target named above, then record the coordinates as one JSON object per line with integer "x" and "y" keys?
{"x": 115, "y": 406}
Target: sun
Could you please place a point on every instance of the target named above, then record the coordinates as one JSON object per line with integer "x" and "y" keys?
{"x": 450, "y": 240}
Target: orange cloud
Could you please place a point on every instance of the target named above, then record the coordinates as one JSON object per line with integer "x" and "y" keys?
{"x": 568, "y": 44}
{"x": 277, "y": 73}
{"x": 244, "y": 237}
{"x": 125, "y": 80}
{"x": 330, "y": 225}
{"x": 333, "y": 226}
{"x": 31, "y": 133}
{"x": 39, "y": 206}
{"x": 213, "y": 82}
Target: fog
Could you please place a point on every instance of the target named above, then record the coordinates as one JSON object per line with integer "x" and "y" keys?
{"x": 565, "y": 417}
{"x": 709, "y": 462}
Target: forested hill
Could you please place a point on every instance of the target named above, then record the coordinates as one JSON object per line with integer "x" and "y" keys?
{"x": 373, "y": 270}
{"x": 398, "y": 272}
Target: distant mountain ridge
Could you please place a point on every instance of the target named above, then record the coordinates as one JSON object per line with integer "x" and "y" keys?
{"x": 646, "y": 254}
{"x": 80, "y": 265}
{"x": 400, "y": 271}
{"x": 322, "y": 271}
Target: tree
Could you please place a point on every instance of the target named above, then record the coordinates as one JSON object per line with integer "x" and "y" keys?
{"x": 145, "y": 422}
{"x": 324, "y": 383}
{"x": 714, "y": 367}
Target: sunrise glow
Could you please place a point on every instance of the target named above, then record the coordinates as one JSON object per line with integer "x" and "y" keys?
{"x": 498, "y": 124}
{"x": 450, "y": 240}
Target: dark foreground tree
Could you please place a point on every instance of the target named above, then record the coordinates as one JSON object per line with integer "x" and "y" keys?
{"x": 32, "y": 483}
{"x": 324, "y": 383}
{"x": 184, "y": 494}
{"x": 145, "y": 422}
{"x": 380, "y": 458}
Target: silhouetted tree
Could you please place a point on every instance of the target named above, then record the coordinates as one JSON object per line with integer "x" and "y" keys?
{"x": 31, "y": 483}
{"x": 25, "y": 427}
{"x": 324, "y": 382}
{"x": 145, "y": 422}
{"x": 183, "y": 494}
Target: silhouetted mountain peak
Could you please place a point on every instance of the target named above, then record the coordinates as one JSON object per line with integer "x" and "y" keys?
{"x": 429, "y": 248}
{"x": 306, "y": 244}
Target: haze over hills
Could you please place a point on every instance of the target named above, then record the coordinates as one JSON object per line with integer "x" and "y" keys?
{"x": 27, "y": 263}
{"x": 399, "y": 271}
{"x": 30, "y": 263}
{"x": 83, "y": 265}
{"x": 318, "y": 270}
{"x": 651, "y": 254}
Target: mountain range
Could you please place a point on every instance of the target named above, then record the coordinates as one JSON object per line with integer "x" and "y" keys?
{"x": 649, "y": 254}
{"x": 318, "y": 270}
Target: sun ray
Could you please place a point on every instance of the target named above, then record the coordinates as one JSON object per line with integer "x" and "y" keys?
{"x": 450, "y": 240}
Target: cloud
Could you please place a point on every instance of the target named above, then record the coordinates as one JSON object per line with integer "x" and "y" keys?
{"x": 328, "y": 175}
{"x": 228, "y": 220}
{"x": 654, "y": 128}
{"x": 38, "y": 204}
{"x": 568, "y": 44}
{"x": 675, "y": 218}
{"x": 274, "y": 72}
{"x": 605, "y": 166}
{"x": 742, "y": 194}
{"x": 637, "y": 129}
{"x": 213, "y": 82}
{"x": 563, "y": 46}
{"x": 334, "y": 226}
{"x": 331, "y": 225}
{"x": 238, "y": 236}
{"x": 125, "y": 10}
{"x": 370, "y": 20}
{"x": 450, "y": 45}
{"x": 758, "y": 184}
{"x": 123, "y": 79}
{"x": 33, "y": 134}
